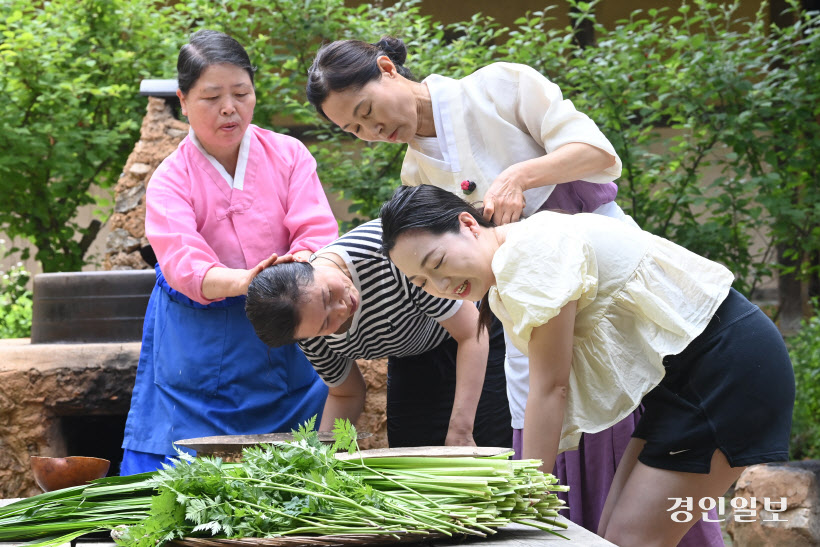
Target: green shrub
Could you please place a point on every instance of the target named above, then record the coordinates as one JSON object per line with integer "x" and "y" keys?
{"x": 804, "y": 349}
{"x": 15, "y": 302}
{"x": 69, "y": 76}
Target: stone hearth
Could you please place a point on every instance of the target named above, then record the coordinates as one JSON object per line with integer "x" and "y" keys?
{"x": 72, "y": 399}
{"x": 58, "y": 400}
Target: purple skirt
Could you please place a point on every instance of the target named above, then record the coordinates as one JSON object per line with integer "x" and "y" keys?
{"x": 589, "y": 472}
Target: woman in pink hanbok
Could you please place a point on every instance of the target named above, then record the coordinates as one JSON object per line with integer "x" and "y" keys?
{"x": 231, "y": 200}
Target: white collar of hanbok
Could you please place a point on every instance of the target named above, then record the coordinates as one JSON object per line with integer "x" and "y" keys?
{"x": 238, "y": 180}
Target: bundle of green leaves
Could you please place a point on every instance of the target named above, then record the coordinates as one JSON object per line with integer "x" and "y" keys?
{"x": 301, "y": 488}
{"x": 57, "y": 517}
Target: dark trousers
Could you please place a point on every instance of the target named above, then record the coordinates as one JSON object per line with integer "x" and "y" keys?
{"x": 421, "y": 389}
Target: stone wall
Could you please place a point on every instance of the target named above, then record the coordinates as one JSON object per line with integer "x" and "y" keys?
{"x": 159, "y": 136}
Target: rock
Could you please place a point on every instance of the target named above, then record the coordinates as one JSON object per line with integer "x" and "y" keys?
{"x": 798, "y": 524}
{"x": 125, "y": 261}
{"x": 129, "y": 199}
{"x": 140, "y": 169}
{"x": 176, "y": 133}
{"x": 120, "y": 239}
{"x": 134, "y": 224}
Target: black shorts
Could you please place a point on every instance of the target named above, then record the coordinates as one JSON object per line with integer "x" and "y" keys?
{"x": 731, "y": 389}
{"x": 421, "y": 389}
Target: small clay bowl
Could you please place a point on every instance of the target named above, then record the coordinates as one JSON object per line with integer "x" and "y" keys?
{"x": 56, "y": 473}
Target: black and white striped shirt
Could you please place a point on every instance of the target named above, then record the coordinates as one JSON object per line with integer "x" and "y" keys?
{"x": 395, "y": 318}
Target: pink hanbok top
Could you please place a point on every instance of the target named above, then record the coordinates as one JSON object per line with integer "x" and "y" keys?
{"x": 197, "y": 217}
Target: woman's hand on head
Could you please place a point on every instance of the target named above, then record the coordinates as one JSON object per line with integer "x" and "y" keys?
{"x": 270, "y": 261}
{"x": 504, "y": 201}
{"x": 221, "y": 282}
{"x": 300, "y": 256}
{"x": 246, "y": 276}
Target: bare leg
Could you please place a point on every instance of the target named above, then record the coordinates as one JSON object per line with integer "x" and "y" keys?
{"x": 640, "y": 517}
{"x": 627, "y": 463}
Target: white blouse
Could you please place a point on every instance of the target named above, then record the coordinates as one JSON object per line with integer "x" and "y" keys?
{"x": 500, "y": 115}
{"x": 640, "y": 298}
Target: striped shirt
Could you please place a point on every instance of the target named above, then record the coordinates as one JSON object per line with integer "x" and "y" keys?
{"x": 395, "y": 318}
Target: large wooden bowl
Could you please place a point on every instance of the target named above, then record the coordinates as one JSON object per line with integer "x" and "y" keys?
{"x": 56, "y": 473}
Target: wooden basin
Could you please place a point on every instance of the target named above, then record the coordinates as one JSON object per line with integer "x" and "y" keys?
{"x": 56, "y": 473}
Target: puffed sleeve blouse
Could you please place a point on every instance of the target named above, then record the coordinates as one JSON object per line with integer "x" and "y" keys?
{"x": 640, "y": 298}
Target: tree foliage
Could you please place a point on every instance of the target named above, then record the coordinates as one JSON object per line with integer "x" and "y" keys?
{"x": 804, "y": 349}
{"x": 70, "y": 113}
{"x": 684, "y": 94}
{"x": 15, "y": 301}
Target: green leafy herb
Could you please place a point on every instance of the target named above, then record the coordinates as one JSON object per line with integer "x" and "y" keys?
{"x": 294, "y": 489}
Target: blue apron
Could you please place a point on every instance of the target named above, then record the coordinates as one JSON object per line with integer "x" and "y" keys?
{"x": 203, "y": 371}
